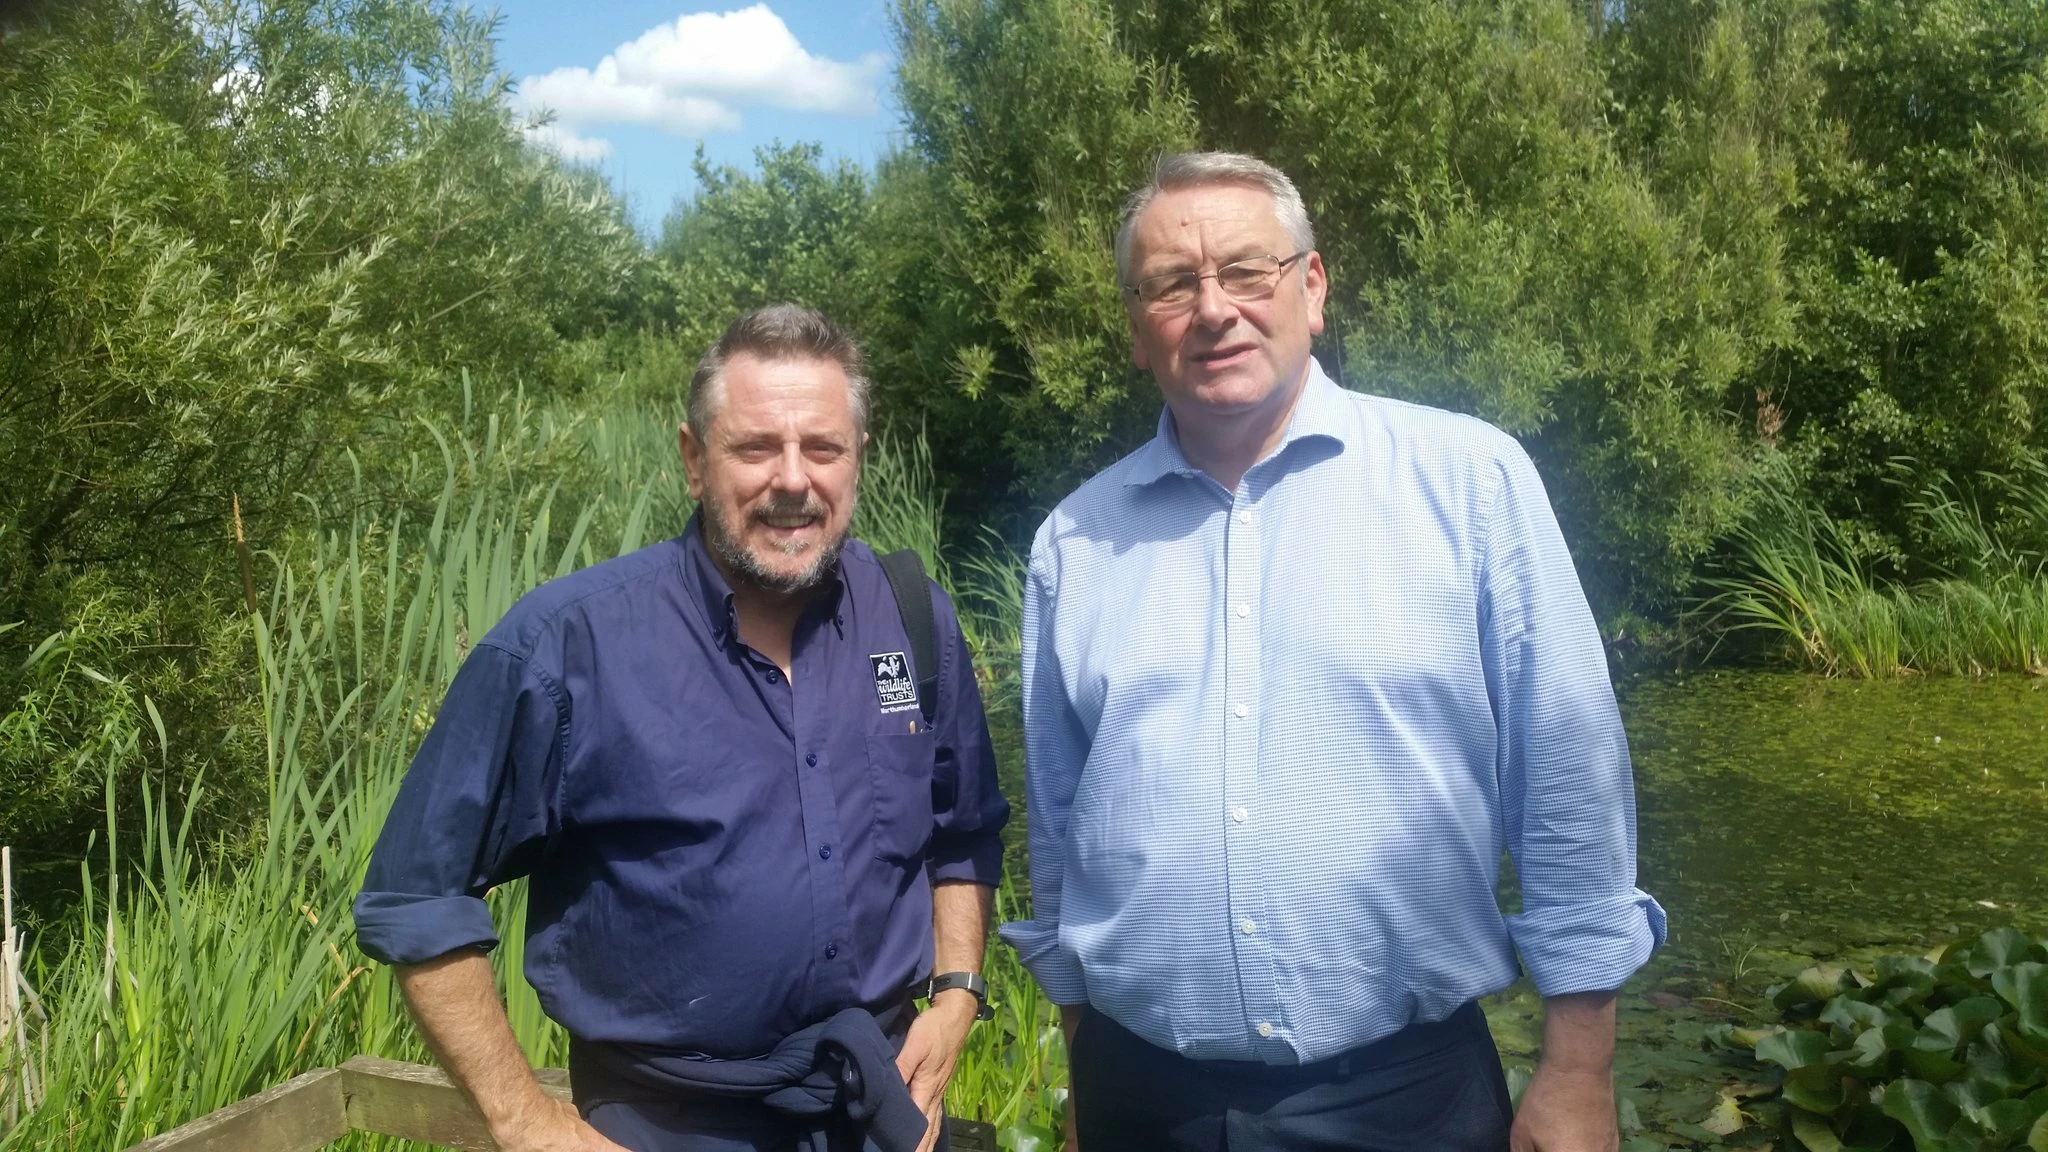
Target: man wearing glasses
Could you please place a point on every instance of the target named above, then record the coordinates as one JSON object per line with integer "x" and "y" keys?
{"x": 1296, "y": 673}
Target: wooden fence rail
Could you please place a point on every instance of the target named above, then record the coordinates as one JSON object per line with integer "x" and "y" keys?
{"x": 388, "y": 1097}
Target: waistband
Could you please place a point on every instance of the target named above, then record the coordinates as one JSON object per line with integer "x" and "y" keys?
{"x": 1466, "y": 1025}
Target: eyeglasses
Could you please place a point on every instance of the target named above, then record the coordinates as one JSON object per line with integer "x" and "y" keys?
{"x": 1247, "y": 279}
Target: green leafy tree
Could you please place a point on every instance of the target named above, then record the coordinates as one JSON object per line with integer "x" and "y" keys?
{"x": 793, "y": 230}
{"x": 1922, "y": 256}
{"x": 237, "y": 238}
{"x": 1028, "y": 123}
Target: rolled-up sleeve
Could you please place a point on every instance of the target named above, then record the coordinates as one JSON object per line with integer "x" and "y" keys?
{"x": 1057, "y": 748}
{"x": 1567, "y": 792}
{"x": 968, "y": 809}
{"x": 474, "y": 811}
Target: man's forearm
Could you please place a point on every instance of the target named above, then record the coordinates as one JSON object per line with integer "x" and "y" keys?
{"x": 960, "y": 914}
{"x": 455, "y": 1002}
{"x": 1578, "y": 1032}
{"x": 1569, "y": 1103}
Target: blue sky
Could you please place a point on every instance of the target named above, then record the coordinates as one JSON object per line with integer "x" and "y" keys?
{"x": 635, "y": 84}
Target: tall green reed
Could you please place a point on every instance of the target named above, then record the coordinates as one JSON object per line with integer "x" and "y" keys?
{"x": 1797, "y": 579}
{"x": 188, "y": 979}
{"x": 1013, "y": 1072}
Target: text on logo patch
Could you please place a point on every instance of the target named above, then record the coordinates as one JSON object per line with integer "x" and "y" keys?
{"x": 893, "y": 685}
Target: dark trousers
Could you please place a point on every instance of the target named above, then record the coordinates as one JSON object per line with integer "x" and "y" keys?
{"x": 1428, "y": 1088}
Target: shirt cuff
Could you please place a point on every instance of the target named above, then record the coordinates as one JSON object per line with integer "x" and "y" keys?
{"x": 1057, "y": 971}
{"x": 1593, "y": 946}
{"x": 976, "y": 858}
{"x": 403, "y": 928}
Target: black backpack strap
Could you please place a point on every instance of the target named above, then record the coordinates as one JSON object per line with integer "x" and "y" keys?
{"x": 905, "y": 570}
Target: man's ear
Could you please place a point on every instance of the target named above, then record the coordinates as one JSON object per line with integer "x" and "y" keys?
{"x": 693, "y": 460}
{"x": 1315, "y": 284}
{"x": 1139, "y": 357}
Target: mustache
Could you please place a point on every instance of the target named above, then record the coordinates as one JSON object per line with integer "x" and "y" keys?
{"x": 798, "y": 506}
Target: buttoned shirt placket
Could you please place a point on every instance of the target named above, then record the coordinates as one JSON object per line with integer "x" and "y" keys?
{"x": 834, "y": 970}
{"x": 1250, "y": 927}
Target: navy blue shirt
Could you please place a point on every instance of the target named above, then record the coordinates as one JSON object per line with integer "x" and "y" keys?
{"x": 719, "y": 858}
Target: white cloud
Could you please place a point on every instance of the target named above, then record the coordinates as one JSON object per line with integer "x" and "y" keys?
{"x": 690, "y": 77}
{"x": 567, "y": 144}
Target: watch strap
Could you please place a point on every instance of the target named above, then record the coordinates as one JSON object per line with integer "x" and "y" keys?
{"x": 971, "y": 981}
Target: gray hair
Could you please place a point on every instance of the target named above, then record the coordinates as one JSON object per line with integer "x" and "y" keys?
{"x": 777, "y": 332}
{"x": 1198, "y": 169}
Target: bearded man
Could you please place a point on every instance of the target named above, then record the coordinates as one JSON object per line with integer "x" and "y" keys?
{"x": 749, "y": 842}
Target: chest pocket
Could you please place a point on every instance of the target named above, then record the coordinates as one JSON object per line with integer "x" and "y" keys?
{"x": 900, "y": 775}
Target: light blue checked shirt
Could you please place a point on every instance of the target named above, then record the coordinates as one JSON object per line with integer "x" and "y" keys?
{"x": 1278, "y": 740}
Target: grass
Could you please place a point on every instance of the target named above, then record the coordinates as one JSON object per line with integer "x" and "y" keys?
{"x": 189, "y": 977}
{"x": 1797, "y": 579}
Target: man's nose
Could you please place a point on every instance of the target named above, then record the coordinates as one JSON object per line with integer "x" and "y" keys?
{"x": 1213, "y": 306}
{"x": 789, "y": 470}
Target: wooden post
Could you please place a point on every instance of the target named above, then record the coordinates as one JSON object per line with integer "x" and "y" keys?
{"x": 12, "y": 1036}
{"x": 22, "y": 1086}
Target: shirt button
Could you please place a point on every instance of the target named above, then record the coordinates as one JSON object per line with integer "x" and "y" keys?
{"x": 811, "y": 760}
{"x": 824, "y": 852}
{"x": 774, "y": 677}
{"x": 1239, "y": 711}
{"x": 1240, "y": 814}
{"x": 1247, "y": 927}
{"x": 1265, "y": 1030}
{"x": 1244, "y": 516}
{"x": 831, "y": 951}
{"x": 1243, "y": 610}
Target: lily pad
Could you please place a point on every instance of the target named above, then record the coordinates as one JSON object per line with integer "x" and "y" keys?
{"x": 1853, "y": 1015}
{"x": 1817, "y": 1088}
{"x": 1726, "y": 1119}
{"x": 1924, "y": 1109}
{"x": 2025, "y": 987}
{"x": 1934, "y": 1067}
{"x": 2001, "y": 948}
{"x": 1793, "y": 1049}
{"x": 1868, "y": 1053}
{"x": 1947, "y": 1029}
{"x": 1816, "y": 985}
{"x": 1816, "y": 1134}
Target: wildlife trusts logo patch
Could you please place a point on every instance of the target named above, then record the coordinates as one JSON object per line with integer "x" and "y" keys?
{"x": 893, "y": 685}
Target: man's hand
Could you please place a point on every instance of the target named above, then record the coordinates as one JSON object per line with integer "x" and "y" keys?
{"x": 1566, "y": 1111}
{"x": 1569, "y": 1103}
{"x": 929, "y": 1053}
{"x": 551, "y": 1126}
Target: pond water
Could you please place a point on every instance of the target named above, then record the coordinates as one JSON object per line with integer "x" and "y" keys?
{"x": 1785, "y": 819}
{"x": 1817, "y": 816}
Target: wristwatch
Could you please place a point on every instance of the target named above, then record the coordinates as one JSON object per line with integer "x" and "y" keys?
{"x": 972, "y": 981}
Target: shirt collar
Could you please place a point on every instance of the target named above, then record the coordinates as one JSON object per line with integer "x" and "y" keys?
{"x": 1319, "y": 414}
{"x": 707, "y": 586}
